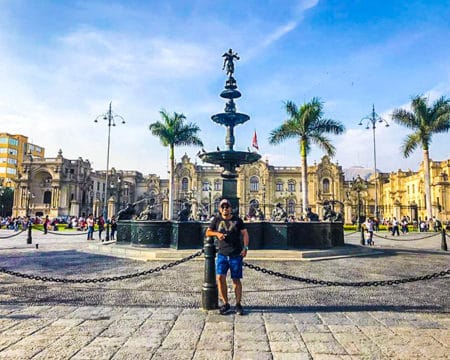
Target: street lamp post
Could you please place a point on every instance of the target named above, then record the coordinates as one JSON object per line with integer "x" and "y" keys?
{"x": 110, "y": 117}
{"x": 373, "y": 118}
{"x": 29, "y": 196}
{"x": 264, "y": 201}
{"x": 210, "y": 204}
{"x": 358, "y": 186}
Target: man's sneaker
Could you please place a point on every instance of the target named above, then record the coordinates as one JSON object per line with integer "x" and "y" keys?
{"x": 224, "y": 309}
{"x": 239, "y": 310}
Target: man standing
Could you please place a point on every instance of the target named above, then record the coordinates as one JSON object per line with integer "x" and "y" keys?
{"x": 228, "y": 229}
{"x": 90, "y": 227}
{"x": 46, "y": 224}
{"x": 369, "y": 227}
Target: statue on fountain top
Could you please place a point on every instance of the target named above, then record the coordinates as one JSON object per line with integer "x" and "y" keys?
{"x": 147, "y": 214}
{"x": 278, "y": 213}
{"x": 228, "y": 62}
{"x": 311, "y": 216}
{"x": 183, "y": 215}
{"x": 127, "y": 213}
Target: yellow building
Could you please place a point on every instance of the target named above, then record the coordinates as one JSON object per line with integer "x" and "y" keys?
{"x": 13, "y": 151}
{"x": 403, "y": 192}
{"x": 60, "y": 186}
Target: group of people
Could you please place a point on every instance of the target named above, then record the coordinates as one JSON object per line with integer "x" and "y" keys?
{"x": 100, "y": 222}
{"x": 13, "y": 223}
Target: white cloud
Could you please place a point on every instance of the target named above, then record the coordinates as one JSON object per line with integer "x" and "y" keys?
{"x": 306, "y": 5}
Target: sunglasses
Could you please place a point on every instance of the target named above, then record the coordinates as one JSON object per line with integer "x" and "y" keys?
{"x": 225, "y": 206}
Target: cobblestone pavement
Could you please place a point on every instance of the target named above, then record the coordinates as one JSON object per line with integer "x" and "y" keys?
{"x": 158, "y": 316}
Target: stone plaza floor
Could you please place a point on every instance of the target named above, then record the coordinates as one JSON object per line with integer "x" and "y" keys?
{"x": 159, "y": 316}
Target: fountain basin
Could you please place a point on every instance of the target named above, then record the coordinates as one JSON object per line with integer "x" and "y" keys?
{"x": 263, "y": 235}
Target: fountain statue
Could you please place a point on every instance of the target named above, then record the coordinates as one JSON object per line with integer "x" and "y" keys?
{"x": 278, "y": 213}
{"x": 277, "y": 234}
{"x": 229, "y": 159}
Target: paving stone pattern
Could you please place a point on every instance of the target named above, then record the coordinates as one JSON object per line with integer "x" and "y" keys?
{"x": 159, "y": 317}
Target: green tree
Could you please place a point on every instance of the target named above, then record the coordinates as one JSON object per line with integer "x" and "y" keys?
{"x": 173, "y": 131}
{"x": 424, "y": 121}
{"x": 308, "y": 126}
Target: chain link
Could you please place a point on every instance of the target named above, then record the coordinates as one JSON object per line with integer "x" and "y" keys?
{"x": 104, "y": 279}
{"x": 345, "y": 283}
{"x": 353, "y": 232}
{"x": 15, "y": 234}
{"x": 416, "y": 239}
{"x": 64, "y": 234}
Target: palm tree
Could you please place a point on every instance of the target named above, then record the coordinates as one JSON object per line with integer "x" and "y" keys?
{"x": 424, "y": 121}
{"x": 308, "y": 126}
{"x": 173, "y": 131}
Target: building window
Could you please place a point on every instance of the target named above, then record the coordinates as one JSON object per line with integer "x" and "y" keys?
{"x": 254, "y": 183}
{"x": 12, "y": 161}
{"x": 326, "y": 186}
{"x": 47, "y": 197}
{"x": 216, "y": 205}
{"x": 291, "y": 207}
{"x": 184, "y": 184}
{"x": 11, "y": 171}
{"x": 217, "y": 185}
{"x": 205, "y": 186}
{"x": 291, "y": 186}
{"x": 3, "y": 140}
{"x": 279, "y": 186}
{"x": 13, "y": 142}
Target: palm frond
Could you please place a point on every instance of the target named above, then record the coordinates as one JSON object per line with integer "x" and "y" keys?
{"x": 405, "y": 118}
{"x": 410, "y": 144}
{"x": 283, "y": 132}
{"x": 324, "y": 143}
{"x": 329, "y": 126}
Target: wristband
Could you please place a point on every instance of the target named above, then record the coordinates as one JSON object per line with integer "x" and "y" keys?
{"x": 246, "y": 248}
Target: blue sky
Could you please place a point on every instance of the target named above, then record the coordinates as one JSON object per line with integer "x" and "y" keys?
{"x": 62, "y": 62}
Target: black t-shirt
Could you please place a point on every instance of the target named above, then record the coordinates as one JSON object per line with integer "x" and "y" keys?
{"x": 232, "y": 244}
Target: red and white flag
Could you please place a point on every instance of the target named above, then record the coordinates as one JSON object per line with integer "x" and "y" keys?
{"x": 255, "y": 141}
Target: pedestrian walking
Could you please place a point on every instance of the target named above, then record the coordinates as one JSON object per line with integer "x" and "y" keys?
{"x": 101, "y": 226}
{"x": 370, "y": 228}
{"x": 228, "y": 228}
{"x": 90, "y": 227}
{"x": 113, "y": 228}
{"x": 46, "y": 223}
{"x": 395, "y": 229}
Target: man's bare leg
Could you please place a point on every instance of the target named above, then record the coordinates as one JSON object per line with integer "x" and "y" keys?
{"x": 237, "y": 290}
{"x": 222, "y": 287}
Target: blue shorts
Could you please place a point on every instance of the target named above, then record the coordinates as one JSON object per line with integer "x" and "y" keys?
{"x": 234, "y": 263}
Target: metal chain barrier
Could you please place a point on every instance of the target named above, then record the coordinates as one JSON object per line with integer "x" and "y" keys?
{"x": 62, "y": 234}
{"x": 415, "y": 239}
{"x": 100, "y": 280}
{"x": 353, "y": 232}
{"x": 15, "y": 234}
{"x": 345, "y": 283}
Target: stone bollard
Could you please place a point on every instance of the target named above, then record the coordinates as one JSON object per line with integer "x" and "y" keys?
{"x": 443, "y": 241}
{"x": 363, "y": 240}
{"x": 29, "y": 238}
{"x": 210, "y": 297}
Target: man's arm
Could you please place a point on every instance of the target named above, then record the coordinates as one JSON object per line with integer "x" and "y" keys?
{"x": 245, "y": 237}
{"x": 218, "y": 235}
